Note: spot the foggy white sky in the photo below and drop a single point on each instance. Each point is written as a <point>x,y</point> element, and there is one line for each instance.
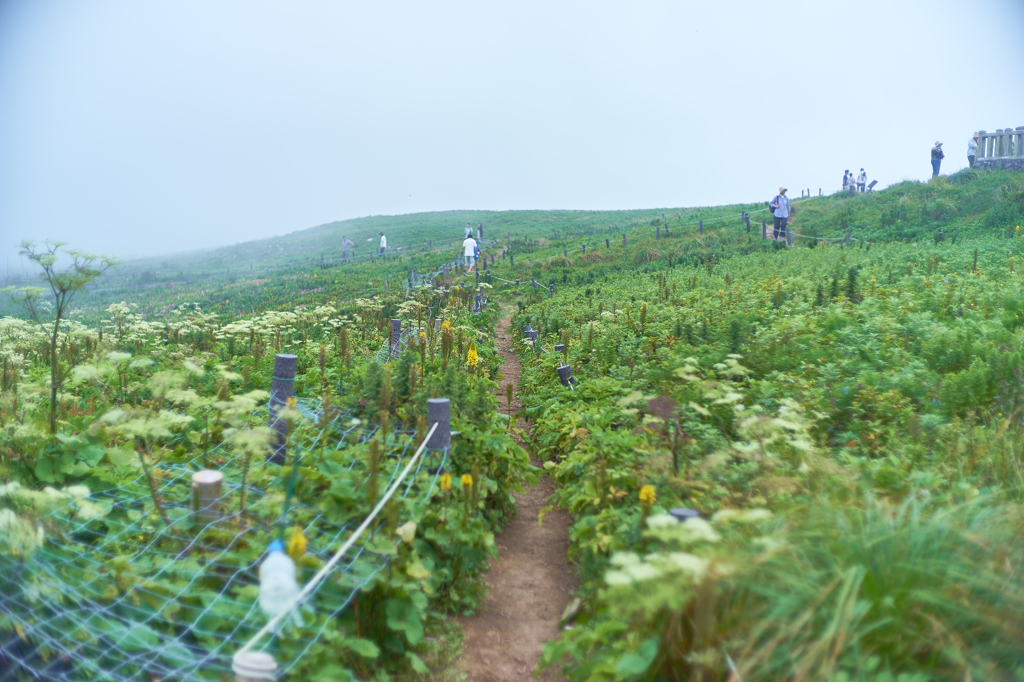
<point>139,128</point>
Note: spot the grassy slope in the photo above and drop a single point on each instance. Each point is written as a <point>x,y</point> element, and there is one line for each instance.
<point>277,272</point>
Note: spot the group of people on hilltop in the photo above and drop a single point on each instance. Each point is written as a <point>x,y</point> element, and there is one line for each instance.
<point>972,153</point>
<point>860,183</point>
<point>347,244</point>
<point>470,246</point>
<point>779,207</point>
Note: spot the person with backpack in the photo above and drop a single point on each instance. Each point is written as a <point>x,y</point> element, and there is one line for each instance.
<point>937,157</point>
<point>862,181</point>
<point>780,208</point>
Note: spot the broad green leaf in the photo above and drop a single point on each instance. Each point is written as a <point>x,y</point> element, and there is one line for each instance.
<point>91,454</point>
<point>363,647</point>
<point>637,663</point>
<point>417,663</point>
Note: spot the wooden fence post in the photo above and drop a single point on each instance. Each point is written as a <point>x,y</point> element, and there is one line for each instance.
<point>439,412</point>
<point>206,487</point>
<point>281,388</point>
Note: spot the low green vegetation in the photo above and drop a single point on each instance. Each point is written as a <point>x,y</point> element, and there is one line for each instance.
<point>99,546</point>
<point>845,419</point>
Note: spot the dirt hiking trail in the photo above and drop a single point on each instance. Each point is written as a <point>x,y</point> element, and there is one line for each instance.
<point>530,583</point>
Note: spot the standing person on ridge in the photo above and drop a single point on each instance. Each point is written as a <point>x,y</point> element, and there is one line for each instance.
<point>937,157</point>
<point>469,232</point>
<point>469,252</point>
<point>972,150</point>
<point>480,232</point>
<point>780,207</point>
<point>383,246</point>
<point>846,180</point>
<point>862,180</point>
<point>346,246</point>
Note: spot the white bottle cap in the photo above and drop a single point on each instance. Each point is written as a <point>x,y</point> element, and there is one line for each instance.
<point>254,665</point>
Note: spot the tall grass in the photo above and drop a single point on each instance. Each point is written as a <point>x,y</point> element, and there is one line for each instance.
<point>904,590</point>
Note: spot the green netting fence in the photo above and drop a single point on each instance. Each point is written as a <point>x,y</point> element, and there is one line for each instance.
<point>125,592</point>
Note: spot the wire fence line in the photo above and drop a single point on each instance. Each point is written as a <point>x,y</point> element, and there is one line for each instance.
<point>123,597</point>
<point>314,582</point>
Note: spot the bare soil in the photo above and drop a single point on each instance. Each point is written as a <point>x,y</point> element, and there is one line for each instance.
<point>531,581</point>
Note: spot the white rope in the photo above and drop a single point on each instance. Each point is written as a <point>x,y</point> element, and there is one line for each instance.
<point>315,580</point>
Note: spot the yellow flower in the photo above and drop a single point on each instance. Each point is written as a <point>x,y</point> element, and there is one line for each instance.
<point>292,402</point>
<point>647,495</point>
<point>446,326</point>
<point>1018,228</point>
<point>446,482</point>
<point>297,545</point>
<point>423,337</point>
<point>467,481</point>
<point>472,359</point>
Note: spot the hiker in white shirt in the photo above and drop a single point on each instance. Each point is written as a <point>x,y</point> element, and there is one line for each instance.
<point>383,246</point>
<point>972,149</point>
<point>469,231</point>
<point>468,251</point>
<point>862,180</point>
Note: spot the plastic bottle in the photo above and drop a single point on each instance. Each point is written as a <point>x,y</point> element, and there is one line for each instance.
<point>278,588</point>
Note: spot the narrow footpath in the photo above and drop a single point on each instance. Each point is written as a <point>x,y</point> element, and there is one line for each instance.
<point>530,583</point>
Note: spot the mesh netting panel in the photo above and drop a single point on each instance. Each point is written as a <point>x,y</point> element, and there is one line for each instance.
<point>127,596</point>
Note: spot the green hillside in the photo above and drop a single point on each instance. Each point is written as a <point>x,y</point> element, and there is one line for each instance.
<point>841,422</point>
<point>303,266</point>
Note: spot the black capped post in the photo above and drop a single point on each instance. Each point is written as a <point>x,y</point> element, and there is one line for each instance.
<point>281,389</point>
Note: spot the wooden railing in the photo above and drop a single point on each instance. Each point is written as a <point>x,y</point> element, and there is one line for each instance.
<point>1005,143</point>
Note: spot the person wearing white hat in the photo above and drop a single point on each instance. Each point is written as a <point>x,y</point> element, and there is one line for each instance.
<point>937,157</point>
<point>780,208</point>
<point>972,149</point>
<point>862,180</point>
